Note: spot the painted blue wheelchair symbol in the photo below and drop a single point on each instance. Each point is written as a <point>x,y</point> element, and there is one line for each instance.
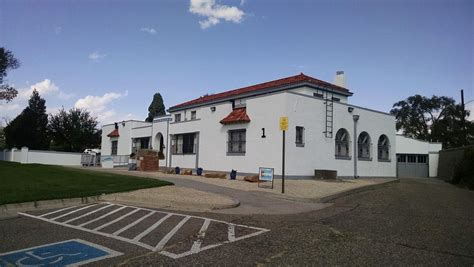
<point>66,253</point>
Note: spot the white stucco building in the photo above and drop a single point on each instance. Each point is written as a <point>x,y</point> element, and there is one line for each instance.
<point>416,158</point>
<point>239,129</point>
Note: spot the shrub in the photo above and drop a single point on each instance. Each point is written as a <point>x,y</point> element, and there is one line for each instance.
<point>464,172</point>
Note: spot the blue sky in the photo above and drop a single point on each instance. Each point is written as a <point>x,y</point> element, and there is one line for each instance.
<point>112,56</point>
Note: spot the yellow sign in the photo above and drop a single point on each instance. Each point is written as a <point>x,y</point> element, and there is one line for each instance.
<point>283,123</point>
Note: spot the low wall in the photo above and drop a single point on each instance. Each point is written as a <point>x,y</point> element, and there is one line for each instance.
<point>27,156</point>
<point>448,160</point>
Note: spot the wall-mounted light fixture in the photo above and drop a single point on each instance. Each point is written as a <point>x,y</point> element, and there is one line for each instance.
<point>123,123</point>
<point>263,133</point>
<point>350,109</point>
<point>213,109</point>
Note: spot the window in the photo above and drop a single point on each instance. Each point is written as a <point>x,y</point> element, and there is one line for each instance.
<point>411,158</point>
<point>422,159</point>
<point>363,146</point>
<point>177,117</point>
<point>342,144</point>
<point>193,115</point>
<point>140,143</point>
<point>336,99</point>
<point>402,158</point>
<point>114,148</point>
<point>318,94</point>
<point>239,103</point>
<point>236,141</point>
<point>183,143</point>
<point>383,148</point>
<point>299,136</point>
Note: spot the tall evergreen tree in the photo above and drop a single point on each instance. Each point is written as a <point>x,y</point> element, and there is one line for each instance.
<point>156,108</point>
<point>30,127</point>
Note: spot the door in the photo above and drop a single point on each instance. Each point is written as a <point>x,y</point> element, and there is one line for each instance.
<point>412,165</point>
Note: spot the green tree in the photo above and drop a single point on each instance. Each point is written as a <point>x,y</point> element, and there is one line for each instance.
<point>437,119</point>
<point>156,108</point>
<point>7,62</point>
<point>30,127</point>
<point>74,130</point>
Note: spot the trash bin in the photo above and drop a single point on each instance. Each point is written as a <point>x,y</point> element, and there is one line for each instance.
<point>177,170</point>
<point>233,174</point>
<point>199,171</point>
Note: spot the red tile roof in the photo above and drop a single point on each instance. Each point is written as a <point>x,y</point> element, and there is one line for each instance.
<point>301,78</point>
<point>114,133</point>
<point>238,115</point>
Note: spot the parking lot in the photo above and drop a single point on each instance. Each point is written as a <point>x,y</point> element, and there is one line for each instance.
<point>170,234</point>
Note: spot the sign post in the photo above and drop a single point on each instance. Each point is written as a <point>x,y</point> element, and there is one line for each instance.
<point>283,128</point>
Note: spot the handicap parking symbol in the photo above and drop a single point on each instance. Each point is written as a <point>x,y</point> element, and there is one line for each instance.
<point>66,253</point>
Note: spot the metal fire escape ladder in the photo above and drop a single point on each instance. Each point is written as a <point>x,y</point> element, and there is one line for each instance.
<point>329,101</point>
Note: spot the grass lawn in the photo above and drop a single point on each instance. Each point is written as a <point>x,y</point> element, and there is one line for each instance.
<point>30,182</point>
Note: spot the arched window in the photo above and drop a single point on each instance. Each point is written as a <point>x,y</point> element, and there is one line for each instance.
<point>363,146</point>
<point>342,143</point>
<point>383,148</point>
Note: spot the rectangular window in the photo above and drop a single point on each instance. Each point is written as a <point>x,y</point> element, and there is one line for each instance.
<point>183,143</point>
<point>114,148</point>
<point>177,117</point>
<point>299,136</point>
<point>422,159</point>
<point>402,158</point>
<point>411,158</point>
<point>239,103</point>
<point>193,115</point>
<point>336,99</point>
<point>319,95</point>
<point>140,143</point>
<point>236,141</point>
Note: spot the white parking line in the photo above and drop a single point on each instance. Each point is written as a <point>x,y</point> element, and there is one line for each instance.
<point>102,217</point>
<point>169,235</point>
<point>56,211</point>
<point>87,214</point>
<point>116,220</point>
<point>74,211</point>
<point>161,245</point>
<point>133,224</point>
<point>151,228</point>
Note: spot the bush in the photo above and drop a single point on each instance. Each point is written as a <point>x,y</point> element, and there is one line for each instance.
<point>464,172</point>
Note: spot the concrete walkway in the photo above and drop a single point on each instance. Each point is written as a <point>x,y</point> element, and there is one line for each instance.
<point>251,202</point>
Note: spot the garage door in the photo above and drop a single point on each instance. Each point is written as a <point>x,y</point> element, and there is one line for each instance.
<point>412,165</point>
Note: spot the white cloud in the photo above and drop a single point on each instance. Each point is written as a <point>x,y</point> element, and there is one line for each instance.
<point>214,13</point>
<point>148,30</point>
<point>96,56</point>
<point>96,104</point>
<point>45,87</point>
<point>470,107</point>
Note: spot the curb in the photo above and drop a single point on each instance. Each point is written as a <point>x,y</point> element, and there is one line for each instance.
<point>356,190</point>
<point>169,204</point>
<point>10,210</point>
<point>328,198</point>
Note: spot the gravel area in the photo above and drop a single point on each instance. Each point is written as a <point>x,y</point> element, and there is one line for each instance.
<point>309,189</point>
<point>173,197</point>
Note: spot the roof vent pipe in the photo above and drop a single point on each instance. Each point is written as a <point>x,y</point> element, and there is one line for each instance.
<point>340,79</point>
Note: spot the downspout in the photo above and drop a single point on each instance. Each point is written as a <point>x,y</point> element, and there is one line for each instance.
<point>168,160</point>
<point>355,118</point>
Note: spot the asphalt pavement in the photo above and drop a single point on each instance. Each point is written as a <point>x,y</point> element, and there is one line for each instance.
<point>414,222</point>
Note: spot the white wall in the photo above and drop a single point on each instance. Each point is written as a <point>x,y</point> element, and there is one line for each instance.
<point>125,129</point>
<point>27,156</point>
<point>302,110</point>
<point>406,145</point>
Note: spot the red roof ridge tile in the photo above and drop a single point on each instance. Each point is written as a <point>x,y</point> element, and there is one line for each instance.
<point>270,84</point>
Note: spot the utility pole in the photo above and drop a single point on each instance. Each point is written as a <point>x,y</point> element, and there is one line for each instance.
<point>463,120</point>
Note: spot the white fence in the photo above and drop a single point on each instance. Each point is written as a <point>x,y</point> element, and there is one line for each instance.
<point>26,156</point>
